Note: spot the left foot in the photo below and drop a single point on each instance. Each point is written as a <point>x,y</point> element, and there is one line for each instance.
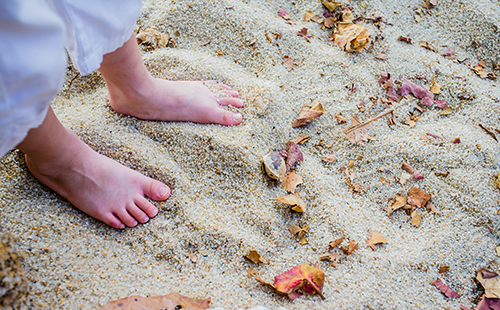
<point>133,91</point>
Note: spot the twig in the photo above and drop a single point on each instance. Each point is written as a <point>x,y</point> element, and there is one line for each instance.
<point>373,119</point>
<point>68,90</point>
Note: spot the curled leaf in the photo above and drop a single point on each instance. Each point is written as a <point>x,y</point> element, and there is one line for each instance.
<point>294,155</point>
<point>445,289</point>
<point>306,115</point>
<point>490,283</point>
<point>152,38</point>
<point>418,197</point>
<point>333,258</point>
<point>418,91</point>
<point>329,158</point>
<point>302,278</point>
<point>255,257</point>
<point>396,203</point>
<point>351,37</point>
<point>376,238</point>
<point>415,219</point>
<point>292,180</point>
<point>301,139</point>
<point>335,243</point>
<point>357,132</point>
<point>295,201</point>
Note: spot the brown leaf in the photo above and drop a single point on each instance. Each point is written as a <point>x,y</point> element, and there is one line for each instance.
<point>255,257</point>
<point>294,155</point>
<point>351,37</point>
<point>306,115</point>
<point>404,39</point>
<point>331,5</point>
<point>295,201</point>
<point>415,219</point>
<point>334,243</point>
<point>292,180</point>
<point>329,22</point>
<point>417,197</point>
<point>308,15</point>
<point>340,119</point>
<point>357,132</point>
<point>406,167</point>
<point>491,285</point>
<point>302,278</point>
<point>275,165</point>
<point>436,88</point>
<point>329,158</point>
<point>443,269</point>
<point>301,139</point>
<point>376,238</point>
<point>294,229</point>
<point>303,240</point>
<point>426,45</point>
<point>333,258</point>
<point>431,208</point>
<point>289,63</point>
<point>396,203</point>
<point>169,301</point>
<point>303,33</point>
<point>444,288</point>
<point>353,246</point>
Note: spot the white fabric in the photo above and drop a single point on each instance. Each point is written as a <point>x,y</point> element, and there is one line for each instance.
<point>33,34</point>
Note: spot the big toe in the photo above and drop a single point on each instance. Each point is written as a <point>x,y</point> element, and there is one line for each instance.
<point>157,191</point>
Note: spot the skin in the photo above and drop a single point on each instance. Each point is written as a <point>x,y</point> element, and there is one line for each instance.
<point>99,186</point>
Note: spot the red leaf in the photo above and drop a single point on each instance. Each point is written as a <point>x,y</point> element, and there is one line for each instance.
<point>445,288</point>
<point>300,278</point>
<point>282,13</point>
<point>488,304</point>
<point>294,155</point>
<point>417,91</point>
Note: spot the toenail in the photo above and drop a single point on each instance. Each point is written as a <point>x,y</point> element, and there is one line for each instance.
<point>155,212</point>
<point>163,191</point>
<point>134,223</point>
<point>237,117</point>
<point>145,219</point>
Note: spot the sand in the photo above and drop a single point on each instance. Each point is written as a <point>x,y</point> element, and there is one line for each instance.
<point>223,205</point>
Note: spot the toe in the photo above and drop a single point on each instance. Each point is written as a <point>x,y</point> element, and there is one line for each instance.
<point>138,214</point>
<point>113,221</point>
<point>235,102</point>
<point>156,190</point>
<point>223,93</point>
<point>148,208</point>
<point>223,86</point>
<point>227,118</point>
<point>126,218</point>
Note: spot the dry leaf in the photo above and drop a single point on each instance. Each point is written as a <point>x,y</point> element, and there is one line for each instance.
<point>376,238</point>
<point>357,132</point>
<point>301,139</point>
<point>294,229</point>
<point>444,288</point>
<point>351,37</point>
<point>292,180</point>
<point>418,197</point>
<point>426,45</point>
<point>308,15</point>
<point>306,115</point>
<point>436,88</point>
<point>415,219</point>
<point>381,56</point>
<point>303,241</point>
<point>329,158</point>
<point>404,39</point>
<point>417,175</point>
<point>274,165</point>
<point>331,5</point>
<point>488,303</point>
<point>289,63</point>
<point>294,155</point>
<point>406,167</point>
<point>329,22</point>
<point>396,203</point>
<point>443,269</point>
<point>283,14</point>
<point>340,119</point>
<point>353,246</point>
<point>333,258</point>
<point>418,91</point>
<point>295,201</point>
<point>404,177</point>
<point>192,257</point>
<point>303,33</point>
<point>171,301</point>
<point>446,111</point>
<point>490,283</point>
<point>425,137</point>
<point>334,243</point>
<point>255,257</point>
<point>431,208</point>
<point>152,38</point>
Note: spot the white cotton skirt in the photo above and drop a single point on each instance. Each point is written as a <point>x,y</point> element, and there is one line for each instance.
<point>33,35</point>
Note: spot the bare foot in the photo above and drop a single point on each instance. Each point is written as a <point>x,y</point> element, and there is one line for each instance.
<point>177,101</point>
<point>133,91</point>
<point>93,183</point>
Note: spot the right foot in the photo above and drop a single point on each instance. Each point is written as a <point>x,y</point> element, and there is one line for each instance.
<point>99,186</point>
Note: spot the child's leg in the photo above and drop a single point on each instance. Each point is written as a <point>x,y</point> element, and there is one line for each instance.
<point>133,91</point>
<point>93,183</point>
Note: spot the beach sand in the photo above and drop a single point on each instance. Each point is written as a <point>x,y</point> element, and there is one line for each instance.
<point>223,205</point>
